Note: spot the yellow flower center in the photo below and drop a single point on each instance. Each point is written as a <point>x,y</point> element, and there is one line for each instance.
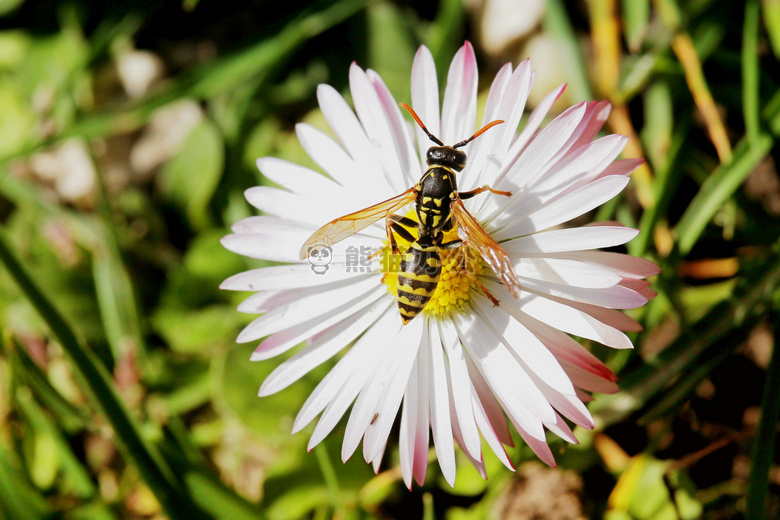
<point>460,268</point>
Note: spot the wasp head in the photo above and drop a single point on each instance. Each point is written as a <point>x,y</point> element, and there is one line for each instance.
<point>446,156</point>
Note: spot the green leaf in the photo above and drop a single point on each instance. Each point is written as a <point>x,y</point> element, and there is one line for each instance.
<point>189,179</point>
<point>636,17</point>
<point>445,34</point>
<point>557,22</point>
<point>202,330</point>
<point>390,47</point>
<point>16,123</point>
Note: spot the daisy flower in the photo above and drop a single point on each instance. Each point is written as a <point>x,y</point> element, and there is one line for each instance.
<point>464,368</point>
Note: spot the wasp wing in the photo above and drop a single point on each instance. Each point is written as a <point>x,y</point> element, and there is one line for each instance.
<point>342,227</point>
<point>477,238</point>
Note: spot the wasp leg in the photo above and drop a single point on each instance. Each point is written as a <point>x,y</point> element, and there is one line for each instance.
<point>449,224</point>
<point>468,194</point>
<point>495,301</point>
<point>399,224</point>
<point>453,244</point>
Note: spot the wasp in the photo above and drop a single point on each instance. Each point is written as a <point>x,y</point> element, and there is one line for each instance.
<point>439,206</point>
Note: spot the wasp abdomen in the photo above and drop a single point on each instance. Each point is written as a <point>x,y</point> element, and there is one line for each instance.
<point>417,279</point>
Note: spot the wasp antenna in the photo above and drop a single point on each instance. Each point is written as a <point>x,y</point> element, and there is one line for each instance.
<point>419,122</point>
<point>479,132</point>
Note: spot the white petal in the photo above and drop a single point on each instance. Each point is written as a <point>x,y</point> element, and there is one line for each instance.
<point>441,425</point>
<point>408,343</point>
<point>615,297</point>
<point>543,148</point>
<point>568,319</point>
<point>494,414</point>
<point>323,348</point>
<point>562,430</point>
<point>289,276</point>
<point>567,351</point>
<point>572,239</point>
<point>367,406</point>
<point>268,238</point>
<point>506,378</point>
<point>588,380</point>
<point>625,265</point>
<point>568,272</point>
<point>349,375</point>
<point>378,460</point>
<point>402,141</point>
<point>579,167</point>
<point>528,350</point>
<point>487,429</point>
<point>425,98</point>
<point>535,441</point>
<point>377,127</point>
<point>489,155</point>
<point>533,123</point>
<point>570,206</point>
<point>622,167</point>
<point>330,156</point>
<point>422,397</point>
<point>598,113</point>
<point>299,179</point>
<point>459,112</point>
<point>266,300</point>
<point>460,383</point>
<point>283,341</point>
<point>407,429</point>
<point>569,406</point>
<point>312,305</point>
<point>347,127</point>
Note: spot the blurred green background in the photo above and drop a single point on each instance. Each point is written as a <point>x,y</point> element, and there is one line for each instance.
<point>128,132</point>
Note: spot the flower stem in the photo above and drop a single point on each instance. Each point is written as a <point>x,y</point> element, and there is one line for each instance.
<point>331,481</point>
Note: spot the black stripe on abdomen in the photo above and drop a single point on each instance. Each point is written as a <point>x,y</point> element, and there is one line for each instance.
<point>417,279</point>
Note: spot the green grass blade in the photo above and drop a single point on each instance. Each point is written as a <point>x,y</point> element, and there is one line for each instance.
<point>68,415</point>
<point>219,501</point>
<point>724,327</point>
<point>96,383</point>
<point>771,17</point>
<point>18,498</point>
<point>116,296</point>
<point>765,443</point>
<point>636,17</point>
<point>556,21</point>
<point>256,63</point>
<point>445,33</point>
<point>750,71</point>
<point>719,186</point>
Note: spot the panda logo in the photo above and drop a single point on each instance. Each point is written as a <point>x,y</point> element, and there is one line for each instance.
<point>319,257</point>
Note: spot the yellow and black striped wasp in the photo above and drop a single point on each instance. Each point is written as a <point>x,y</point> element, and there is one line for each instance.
<point>439,207</point>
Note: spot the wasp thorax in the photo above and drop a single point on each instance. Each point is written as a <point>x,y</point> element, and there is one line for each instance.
<point>446,156</point>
